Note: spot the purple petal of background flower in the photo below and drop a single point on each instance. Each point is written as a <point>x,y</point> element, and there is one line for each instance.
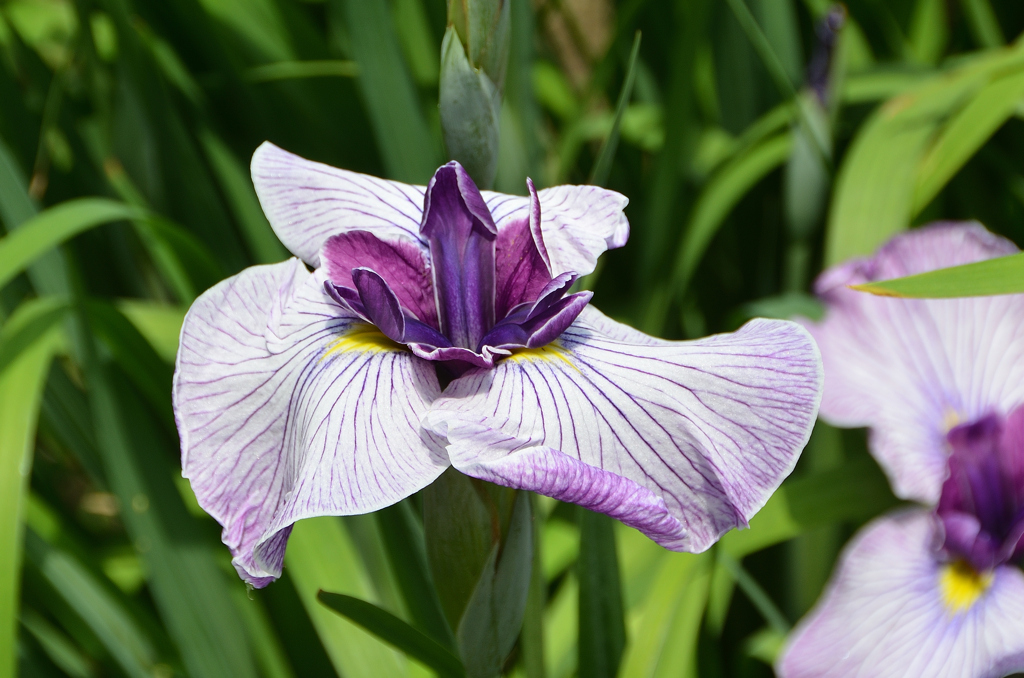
<point>912,368</point>
<point>710,427</point>
<point>980,506</point>
<point>883,614</point>
<point>288,408</point>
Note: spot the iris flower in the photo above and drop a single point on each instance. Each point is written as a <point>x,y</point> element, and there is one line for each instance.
<point>931,591</point>
<point>438,328</point>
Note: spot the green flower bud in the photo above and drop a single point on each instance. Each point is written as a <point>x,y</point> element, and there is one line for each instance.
<point>474,57</point>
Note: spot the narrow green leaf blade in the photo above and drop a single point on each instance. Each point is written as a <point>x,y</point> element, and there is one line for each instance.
<point>603,164</point>
<point>676,588</point>
<point>968,131</point>
<point>52,227</point>
<point>404,542</point>
<point>1003,275</point>
<point>238,189</point>
<point>291,70</point>
<point>159,323</point>
<point>409,151</point>
<point>321,556</point>
<point>718,198</point>
<point>119,633</point>
<point>21,391</point>
<point>394,631</point>
<point>602,634</point>
<point>30,324</point>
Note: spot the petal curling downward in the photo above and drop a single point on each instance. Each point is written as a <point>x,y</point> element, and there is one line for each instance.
<point>709,428</point>
<point>288,408</point>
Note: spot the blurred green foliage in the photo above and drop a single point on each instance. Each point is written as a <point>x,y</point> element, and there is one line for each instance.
<point>125,129</point>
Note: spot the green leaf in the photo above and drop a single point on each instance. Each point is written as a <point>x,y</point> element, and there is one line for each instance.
<point>1002,275</point>
<point>603,164</point>
<point>52,227</point>
<point>665,636</point>
<point>726,188</point>
<point>490,625</point>
<point>292,70</point>
<point>396,632</point>
<point>911,146</point>
<point>403,540</point>
<point>237,186</point>
<point>187,585</point>
<point>757,595</point>
<point>470,107</point>
<point>602,630</point>
<point>16,207</point>
<point>459,539</point>
<point>409,151</point>
<point>159,323</point>
<point>21,390</point>
<point>270,655</point>
<point>258,22</point>
<point>31,322</point>
<point>965,133</point>
<point>321,556</point>
<point>983,23</point>
<point>58,647</point>
<point>119,633</point>
<point>131,351</point>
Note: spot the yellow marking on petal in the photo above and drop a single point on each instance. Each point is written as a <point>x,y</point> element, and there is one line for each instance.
<point>950,418</point>
<point>362,338</point>
<point>552,352</point>
<point>961,585</point>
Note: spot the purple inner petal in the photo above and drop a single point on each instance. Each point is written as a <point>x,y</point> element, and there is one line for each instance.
<point>405,267</point>
<point>461,234</point>
<point>520,269</point>
<point>380,302</point>
<point>980,506</point>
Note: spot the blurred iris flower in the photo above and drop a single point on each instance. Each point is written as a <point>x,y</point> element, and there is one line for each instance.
<point>940,383</point>
<point>438,329</point>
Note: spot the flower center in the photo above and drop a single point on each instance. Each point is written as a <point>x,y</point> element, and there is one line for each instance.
<point>961,585</point>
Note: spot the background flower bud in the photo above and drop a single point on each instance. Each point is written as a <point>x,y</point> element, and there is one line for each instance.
<point>474,57</point>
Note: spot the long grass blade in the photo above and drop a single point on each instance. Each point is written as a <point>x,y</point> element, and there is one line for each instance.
<point>395,632</point>
<point>21,391</point>
<point>603,164</point>
<point>52,227</point>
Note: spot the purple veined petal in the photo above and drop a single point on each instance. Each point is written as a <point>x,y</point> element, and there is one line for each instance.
<point>535,329</point>
<point>556,474</point>
<point>461,236</point>
<point>380,302</point>
<point>913,368</point>
<point>307,202</point>
<point>578,223</point>
<point>520,271</point>
<point>404,266</point>
<point>536,227</point>
<point>887,613</point>
<point>315,413</point>
<point>709,427</point>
